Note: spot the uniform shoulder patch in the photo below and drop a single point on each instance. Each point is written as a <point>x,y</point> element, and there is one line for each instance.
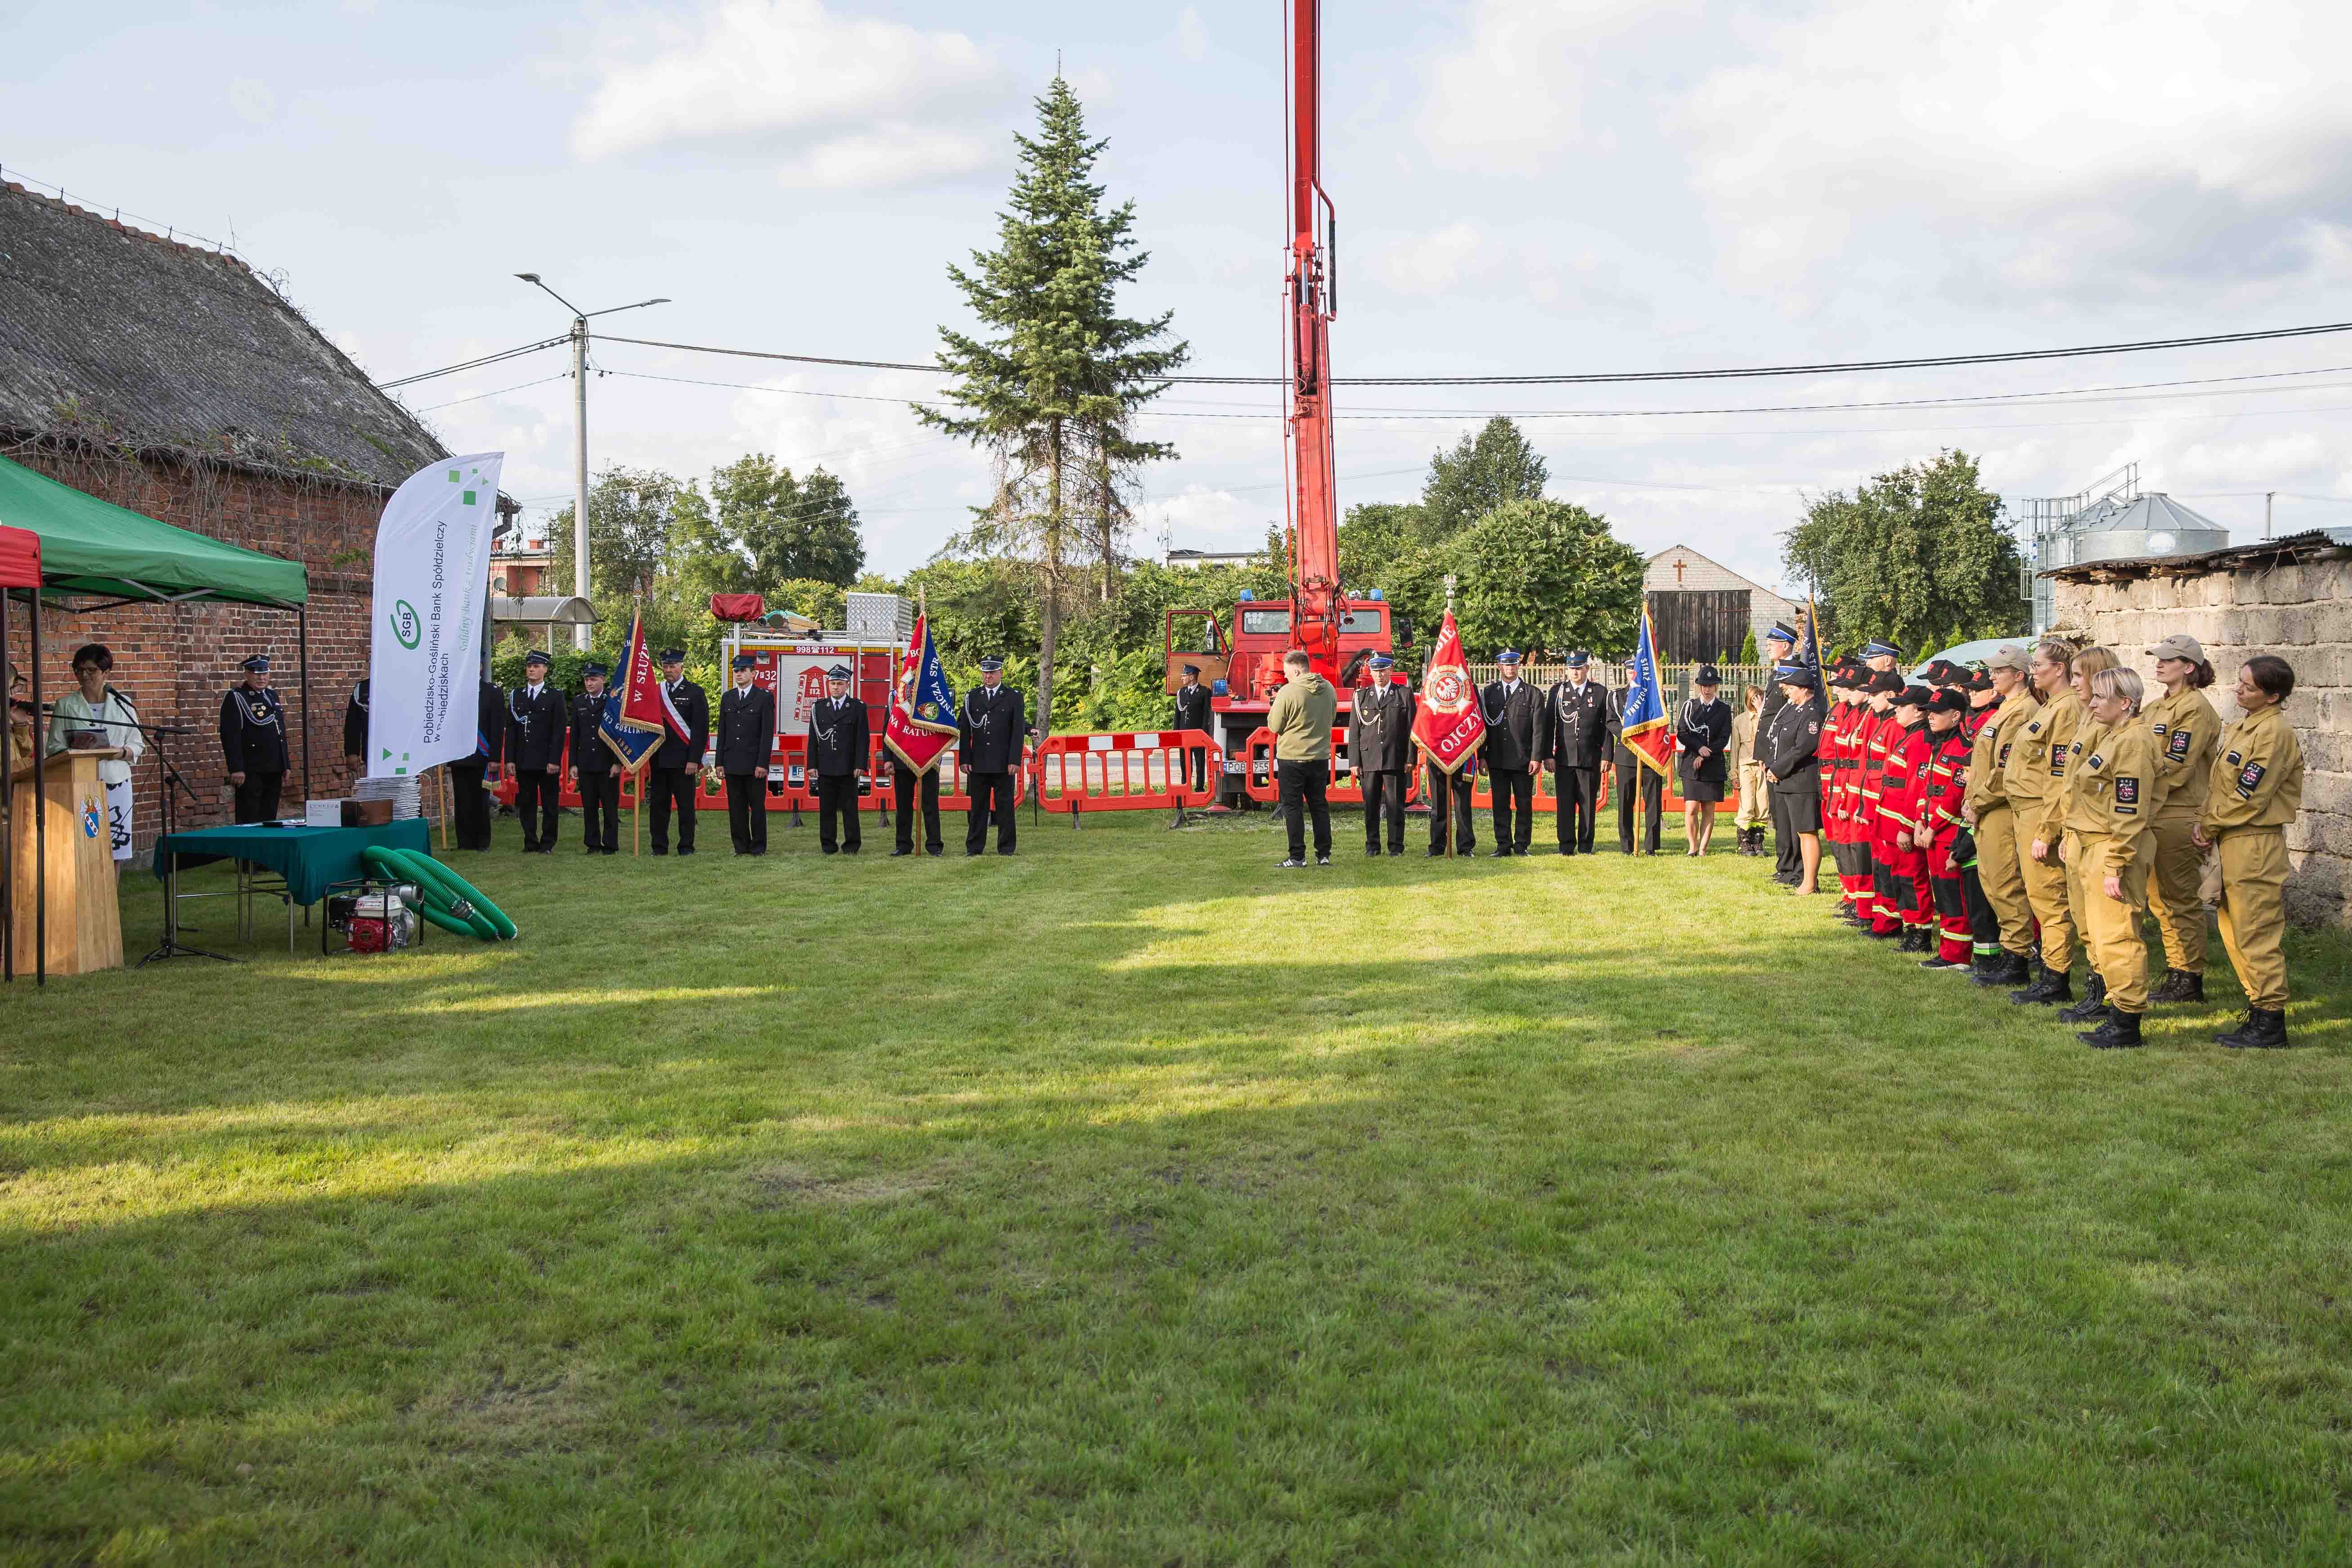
<point>1816,729</point>
<point>2178,747</point>
<point>2234,758</point>
<point>2095,760</point>
<point>2127,792</point>
<point>2034,728</point>
<point>2248,777</point>
<point>2159,730</point>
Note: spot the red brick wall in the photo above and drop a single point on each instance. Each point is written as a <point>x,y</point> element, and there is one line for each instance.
<point>176,661</point>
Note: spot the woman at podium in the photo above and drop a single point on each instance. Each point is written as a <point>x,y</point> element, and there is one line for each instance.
<point>95,707</point>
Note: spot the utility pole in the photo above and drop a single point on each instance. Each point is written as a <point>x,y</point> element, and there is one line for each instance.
<point>580,436</point>
<point>2268,497</point>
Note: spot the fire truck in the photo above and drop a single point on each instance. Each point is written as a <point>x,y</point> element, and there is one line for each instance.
<point>1243,665</point>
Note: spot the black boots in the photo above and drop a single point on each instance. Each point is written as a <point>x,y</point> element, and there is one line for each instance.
<point>1751,841</point>
<point>2050,986</point>
<point>1915,940</point>
<point>2094,1002</point>
<point>2003,968</point>
<point>2264,1030</point>
<point>2179,985</point>
<point>2120,1032</point>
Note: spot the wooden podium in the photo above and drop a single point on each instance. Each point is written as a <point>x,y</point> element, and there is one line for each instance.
<point>85,922</point>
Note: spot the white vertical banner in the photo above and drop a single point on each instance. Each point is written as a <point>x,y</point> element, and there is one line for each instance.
<point>431,614</point>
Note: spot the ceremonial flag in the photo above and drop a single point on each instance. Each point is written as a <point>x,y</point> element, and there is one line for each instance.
<point>1447,725</point>
<point>432,587</point>
<point>922,725</point>
<point>1643,729</point>
<point>645,705</point>
<point>632,746</point>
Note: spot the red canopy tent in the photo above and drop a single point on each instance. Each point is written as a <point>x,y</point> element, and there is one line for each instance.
<point>20,567</point>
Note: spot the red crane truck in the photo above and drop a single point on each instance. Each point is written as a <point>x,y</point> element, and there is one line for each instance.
<point>1243,667</point>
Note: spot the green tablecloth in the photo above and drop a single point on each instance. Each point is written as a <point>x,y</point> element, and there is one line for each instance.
<point>308,857</point>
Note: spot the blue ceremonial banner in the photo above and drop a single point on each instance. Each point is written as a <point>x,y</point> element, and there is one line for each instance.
<point>632,742</point>
<point>922,722</point>
<point>1645,730</point>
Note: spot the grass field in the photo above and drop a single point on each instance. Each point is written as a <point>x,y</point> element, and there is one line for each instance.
<point>1133,1202</point>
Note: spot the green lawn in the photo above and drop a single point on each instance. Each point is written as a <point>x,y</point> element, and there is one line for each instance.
<point>1134,1202</point>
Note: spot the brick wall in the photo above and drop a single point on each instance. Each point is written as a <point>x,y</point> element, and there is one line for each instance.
<point>176,661</point>
<point>2300,612</point>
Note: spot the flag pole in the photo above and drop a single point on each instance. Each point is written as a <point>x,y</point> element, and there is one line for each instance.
<point>1456,784</point>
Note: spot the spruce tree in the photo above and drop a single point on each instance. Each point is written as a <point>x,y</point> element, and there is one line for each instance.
<point>1051,386</point>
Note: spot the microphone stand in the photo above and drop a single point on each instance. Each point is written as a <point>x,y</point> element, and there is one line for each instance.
<point>168,779</point>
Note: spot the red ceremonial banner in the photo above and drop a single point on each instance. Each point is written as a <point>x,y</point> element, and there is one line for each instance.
<point>922,723</point>
<point>642,703</point>
<point>1447,725</point>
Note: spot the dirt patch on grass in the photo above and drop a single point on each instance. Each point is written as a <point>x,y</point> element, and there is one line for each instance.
<point>779,1187</point>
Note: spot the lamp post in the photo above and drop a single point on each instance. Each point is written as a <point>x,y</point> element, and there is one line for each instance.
<point>580,434</point>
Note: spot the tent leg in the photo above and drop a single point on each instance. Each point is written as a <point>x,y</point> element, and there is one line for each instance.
<point>40,810</point>
<point>8,816</point>
<point>302,634</point>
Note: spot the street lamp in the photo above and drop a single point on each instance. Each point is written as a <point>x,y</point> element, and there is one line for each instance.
<point>580,434</point>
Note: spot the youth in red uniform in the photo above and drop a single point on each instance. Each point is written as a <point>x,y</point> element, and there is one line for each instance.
<point>1948,781</point>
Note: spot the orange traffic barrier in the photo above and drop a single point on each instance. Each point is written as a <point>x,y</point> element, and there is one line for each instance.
<point>1145,770</point>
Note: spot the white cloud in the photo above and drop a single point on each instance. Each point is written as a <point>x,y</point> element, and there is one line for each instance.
<point>845,102</point>
<point>1191,35</point>
<point>1511,99</point>
<point>251,100</point>
<point>1438,260</point>
<point>1548,269</point>
<point>2052,148</point>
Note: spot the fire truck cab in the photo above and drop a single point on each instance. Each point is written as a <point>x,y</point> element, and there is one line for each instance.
<point>1242,666</point>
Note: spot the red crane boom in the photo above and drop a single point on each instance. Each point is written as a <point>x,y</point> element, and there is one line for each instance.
<point>1317,606</point>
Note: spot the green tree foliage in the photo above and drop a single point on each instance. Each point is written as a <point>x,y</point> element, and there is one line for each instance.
<point>1053,387</point>
<point>1375,537</point>
<point>1542,574</point>
<point>1918,557</point>
<point>781,528</point>
<point>1481,473</point>
<point>1748,652</point>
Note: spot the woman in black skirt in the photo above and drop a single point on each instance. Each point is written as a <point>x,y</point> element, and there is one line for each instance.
<point>1702,739</point>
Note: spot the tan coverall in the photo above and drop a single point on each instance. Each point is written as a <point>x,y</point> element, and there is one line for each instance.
<point>1750,809</point>
<point>2109,804</point>
<point>2186,732</point>
<point>2031,779</point>
<point>1996,823</point>
<point>2255,790</point>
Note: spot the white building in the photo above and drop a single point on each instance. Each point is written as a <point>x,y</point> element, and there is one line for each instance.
<point>1702,609</point>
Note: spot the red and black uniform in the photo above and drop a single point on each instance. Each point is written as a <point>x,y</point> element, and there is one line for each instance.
<point>1903,899</point>
<point>1948,783</point>
<point>1850,848</point>
<point>1870,788</point>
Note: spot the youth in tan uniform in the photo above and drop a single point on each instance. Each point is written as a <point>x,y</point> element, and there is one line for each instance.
<point>2254,791</point>
<point>2035,773</point>
<point>2185,730</point>
<point>2110,801</point>
<point>1987,810</point>
<point>2088,662</point>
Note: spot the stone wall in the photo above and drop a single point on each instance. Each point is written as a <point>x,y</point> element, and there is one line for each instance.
<point>2301,611</point>
<point>176,661</point>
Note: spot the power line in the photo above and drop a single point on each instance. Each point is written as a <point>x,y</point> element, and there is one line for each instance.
<point>476,363</point>
<point>502,391</point>
<point>1836,367</point>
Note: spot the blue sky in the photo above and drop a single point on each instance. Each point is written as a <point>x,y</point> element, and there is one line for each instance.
<point>1523,185</point>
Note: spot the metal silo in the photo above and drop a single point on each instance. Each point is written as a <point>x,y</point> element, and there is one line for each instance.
<point>2113,520</point>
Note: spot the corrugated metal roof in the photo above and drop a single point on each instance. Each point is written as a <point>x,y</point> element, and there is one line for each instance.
<point>2230,558</point>
<point>111,334</point>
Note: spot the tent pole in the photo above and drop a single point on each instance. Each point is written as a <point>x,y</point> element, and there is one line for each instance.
<point>302,634</point>
<point>40,810</point>
<point>7,812</point>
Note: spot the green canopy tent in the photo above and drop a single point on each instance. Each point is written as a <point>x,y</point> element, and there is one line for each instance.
<point>95,556</point>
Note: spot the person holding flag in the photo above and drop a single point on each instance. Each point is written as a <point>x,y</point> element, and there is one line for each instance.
<point>918,733</point>
<point>594,774</point>
<point>678,711</point>
<point>1646,744</point>
<point>1448,730</point>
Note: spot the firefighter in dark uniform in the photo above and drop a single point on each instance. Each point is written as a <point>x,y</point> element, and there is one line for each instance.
<point>1380,748</point>
<point>1192,713</point>
<point>908,791</point>
<point>992,733</point>
<point>839,745</point>
<point>747,735</point>
<point>356,728</point>
<point>537,722</point>
<point>1790,744</point>
<point>1575,727</point>
<point>1513,715</point>
<point>678,763</point>
<point>253,741</point>
<point>1636,782</point>
<point>596,773</point>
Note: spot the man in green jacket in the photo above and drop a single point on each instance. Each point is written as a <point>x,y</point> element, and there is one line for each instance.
<point>1301,716</point>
